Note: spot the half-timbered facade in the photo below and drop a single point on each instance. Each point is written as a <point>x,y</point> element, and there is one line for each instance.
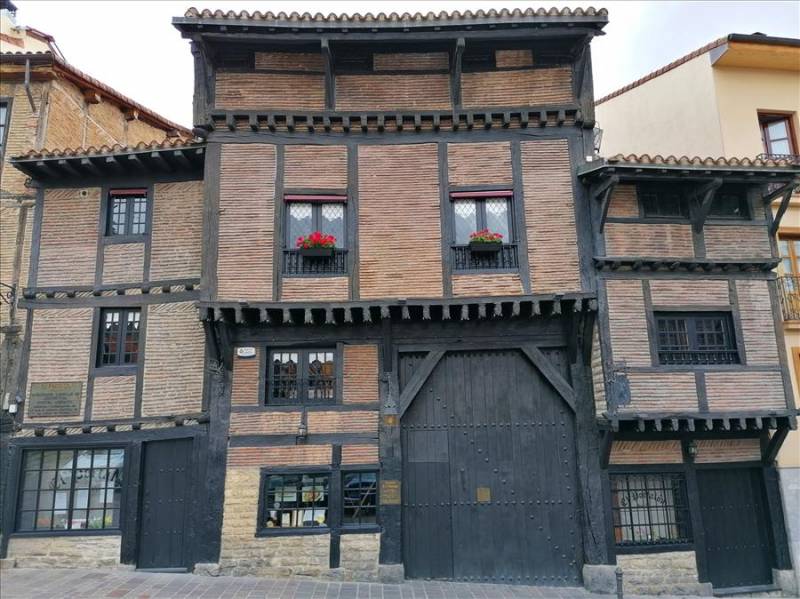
<point>441,338</point>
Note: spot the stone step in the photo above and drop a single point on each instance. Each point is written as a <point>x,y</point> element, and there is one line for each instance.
<point>659,576</point>
<point>672,588</point>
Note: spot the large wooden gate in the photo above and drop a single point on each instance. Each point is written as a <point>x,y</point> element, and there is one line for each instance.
<point>736,527</point>
<point>162,536</point>
<point>489,474</point>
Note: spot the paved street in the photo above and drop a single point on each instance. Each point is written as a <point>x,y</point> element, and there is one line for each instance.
<point>21,583</point>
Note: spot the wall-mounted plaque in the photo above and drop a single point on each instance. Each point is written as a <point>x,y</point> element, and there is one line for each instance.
<point>390,492</point>
<point>245,352</point>
<point>483,494</point>
<point>53,400</point>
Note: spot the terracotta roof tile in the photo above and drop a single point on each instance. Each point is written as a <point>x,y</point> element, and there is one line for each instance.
<point>387,19</point>
<point>108,150</point>
<point>58,63</point>
<point>658,159</point>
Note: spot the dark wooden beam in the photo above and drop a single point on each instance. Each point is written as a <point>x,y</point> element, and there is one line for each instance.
<point>552,375</point>
<point>135,162</point>
<point>420,376</point>
<point>46,169</point>
<point>67,167</point>
<point>776,193</point>
<point>784,205</point>
<point>330,76</point>
<point>606,441</point>
<point>455,72</point>
<point>113,164</point>
<point>160,162</point>
<point>89,165</point>
<point>602,191</point>
<point>705,193</point>
<point>180,159</point>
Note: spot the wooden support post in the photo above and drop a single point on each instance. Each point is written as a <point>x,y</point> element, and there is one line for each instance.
<point>602,191</point>
<point>455,72</point>
<point>706,195</point>
<point>330,78</point>
<point>774,445</point>
<point>784,205</point>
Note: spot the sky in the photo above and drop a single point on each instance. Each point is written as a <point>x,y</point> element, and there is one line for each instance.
<point>132,46</point>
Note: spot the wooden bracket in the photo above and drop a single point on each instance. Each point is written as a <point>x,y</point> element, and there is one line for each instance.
<point>92,96</point>
<point>770,196</point>
<point>706,194</point>
<point>552,375</point>
<point>602,191</point>
<point>774,445</point>
<point>787,190</point>
<point>420,376</point>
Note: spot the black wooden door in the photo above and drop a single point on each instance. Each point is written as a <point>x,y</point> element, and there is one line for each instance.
<point>162,532</point>
<point>736,527</point>
<point>489,474</point>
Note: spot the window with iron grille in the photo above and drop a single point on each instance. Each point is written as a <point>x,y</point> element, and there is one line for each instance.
<point>295,501</point>
<point>663,203</point>
<point>127,212</point>
<point>118,344</point>
<point>301,376</point>
<point>306,214</point>
<point>473,212</point>
<point>650,509</point>
<point>74,489</point>
<point>729,203</point>
<point>696,338</point>
<point>360,498</point>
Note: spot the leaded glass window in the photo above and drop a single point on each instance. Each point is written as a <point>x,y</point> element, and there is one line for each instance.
<point>302,376</point>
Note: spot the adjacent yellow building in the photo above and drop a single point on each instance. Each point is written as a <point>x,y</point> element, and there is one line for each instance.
<point>738,96</point>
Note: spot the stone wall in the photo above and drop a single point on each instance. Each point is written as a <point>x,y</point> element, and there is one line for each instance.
<point>673,572</point>
<point>66,552</point>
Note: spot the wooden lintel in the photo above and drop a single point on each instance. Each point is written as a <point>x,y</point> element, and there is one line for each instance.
<point>706,195</point>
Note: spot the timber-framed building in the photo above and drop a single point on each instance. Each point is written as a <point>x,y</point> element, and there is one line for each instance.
<point>405,401</point>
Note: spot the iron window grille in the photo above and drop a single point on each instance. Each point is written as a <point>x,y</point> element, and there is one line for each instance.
<point>295,501</point>
<point>359,498</point>
<point>696,338</point>
<point>127,212</point>
<point>119,337</point>
<point>74,489</point>
<point>650,509</point>
<point>663,203</point>
<point>475,211</point>
<point>302,376</point>
<point>306,214</point>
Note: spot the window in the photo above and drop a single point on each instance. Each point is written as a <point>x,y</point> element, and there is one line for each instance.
<point>119,337</point>
<point>729,204</point>
<point>789,248</point>
<point>127,212</point>
<point>650,509</point>
<point>73,489</point>
<point>306,214</point>
<point>360,498</point>
<point>472,212</point>
<point>777,134</point>
<point>789,280</point>
<point>302,376</point>
<point>295,501</point>
<point>4,114</point>
<point>664,203</point>
<point>696,338</point>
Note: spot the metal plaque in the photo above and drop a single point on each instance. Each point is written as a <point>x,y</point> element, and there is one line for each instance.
<point>53,400</point>
<point>245,352</point>
<point>390,492</point>
<point>390,419</point>
<point>483,494</point>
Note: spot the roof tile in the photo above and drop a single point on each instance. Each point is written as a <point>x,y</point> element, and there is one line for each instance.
<point>108,150</point>
<point>658,159</point>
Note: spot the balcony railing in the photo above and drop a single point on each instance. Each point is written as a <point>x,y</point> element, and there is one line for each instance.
<point>698,356</point>
<point>466,259</point>
<point>792,158</point>
<point>295,264</point>
<point>790,296</point>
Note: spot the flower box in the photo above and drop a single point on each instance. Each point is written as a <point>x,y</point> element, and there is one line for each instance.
<point>317,252</point>
<point>483,247</point>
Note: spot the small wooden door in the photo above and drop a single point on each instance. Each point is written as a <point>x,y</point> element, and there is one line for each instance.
<point>165,482</point>
<point>736,527</point>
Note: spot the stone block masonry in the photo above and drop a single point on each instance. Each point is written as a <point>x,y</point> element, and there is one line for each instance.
<point>66,552</point>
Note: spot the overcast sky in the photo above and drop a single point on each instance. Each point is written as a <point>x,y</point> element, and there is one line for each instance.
<point>132,46</point>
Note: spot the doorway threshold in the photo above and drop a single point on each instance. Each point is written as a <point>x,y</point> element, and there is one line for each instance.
<point>165,570</point>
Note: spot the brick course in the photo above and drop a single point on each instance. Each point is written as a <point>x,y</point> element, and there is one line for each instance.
<point>264,423</point>
<point>480,163</point>
<point>284,455</point>
<point>113,397</point>
<point>68,251</point>
<point>624,202</point>
<point>659,392</point>
<point>399,221</point>
<point>733,242</point>
<point>177,236</point>
<point>244,385</point>
<point>61,341</point>
<point>393,92</point>
<point>487,284</point>
<point>550,216</point>
<point>283,91</point>
<point>174,360</point>
<point>310,167</point>
<point>745,391</point>
<point>640,239</point>
<point>315,288</point>
<point>343,422</point>
<point>360,373</point>
<point>628,323</point>
<point>289,61</point>
<point>728,450</point>
<point>758,326</point>
<point>682,292</point>
<point>532,87</point>
<point>359,454</point>
<point>246,222</point>
<point>123,263</point>
<point>513,58</point>
<point>646,452</point>
<point>410,61</point>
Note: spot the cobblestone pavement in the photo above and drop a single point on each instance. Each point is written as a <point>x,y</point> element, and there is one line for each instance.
<point>22,583</point>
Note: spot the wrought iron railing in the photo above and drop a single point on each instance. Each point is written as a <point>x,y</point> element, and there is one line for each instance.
<point>296,264</point>
<point>466,259</point>
<point>792,158</point>
<point>293,390</point>
<point>790,296</point>
<point>698,356</point>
